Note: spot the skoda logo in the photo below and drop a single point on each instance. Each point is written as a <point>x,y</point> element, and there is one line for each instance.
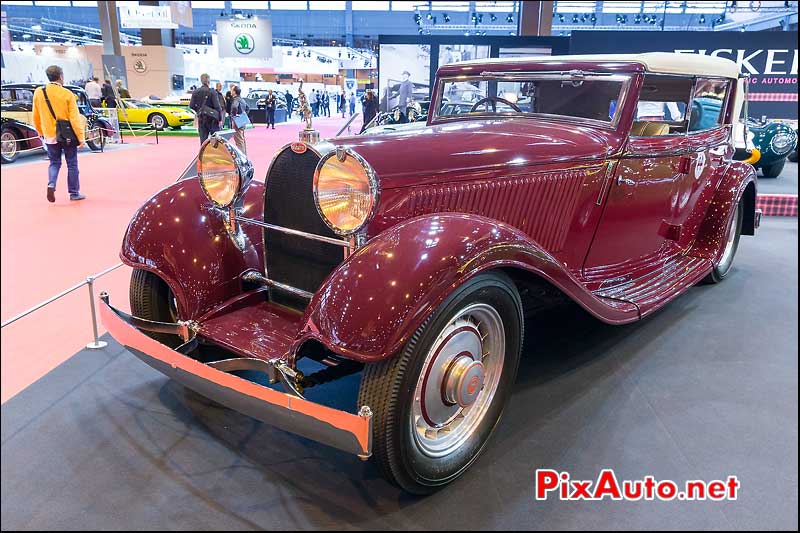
<point>244,43</point>
<point>139,66</point>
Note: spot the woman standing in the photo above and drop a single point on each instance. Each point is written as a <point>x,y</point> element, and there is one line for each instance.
<point>238,107</point>
<point>270,104</point>
<point>370,106</point>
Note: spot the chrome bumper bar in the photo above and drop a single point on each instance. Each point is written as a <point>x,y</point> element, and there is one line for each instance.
<point>346,431</point>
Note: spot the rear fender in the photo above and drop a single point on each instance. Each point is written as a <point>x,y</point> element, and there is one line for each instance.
<point>179,236</point>
<point>739,183</point>
<point>372,303</point>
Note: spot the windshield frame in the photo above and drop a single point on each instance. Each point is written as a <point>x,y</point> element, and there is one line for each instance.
<point>512,76</point>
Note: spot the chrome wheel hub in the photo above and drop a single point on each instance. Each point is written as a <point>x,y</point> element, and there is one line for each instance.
<point>463,382</point>
<point>458,380</point>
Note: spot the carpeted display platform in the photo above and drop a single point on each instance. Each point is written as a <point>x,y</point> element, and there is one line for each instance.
<point>703,389</point>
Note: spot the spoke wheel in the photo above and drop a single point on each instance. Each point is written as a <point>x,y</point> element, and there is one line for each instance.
<point>436,403</point>
<point>458,381</point>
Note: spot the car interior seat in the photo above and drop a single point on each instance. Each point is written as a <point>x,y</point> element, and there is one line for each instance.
<point>648,128</point>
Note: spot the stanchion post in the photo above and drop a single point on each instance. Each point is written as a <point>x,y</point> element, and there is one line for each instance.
<point>96,344</point>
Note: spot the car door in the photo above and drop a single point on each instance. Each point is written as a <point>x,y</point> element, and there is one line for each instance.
<point>638,219</point>
<point>710,150</point>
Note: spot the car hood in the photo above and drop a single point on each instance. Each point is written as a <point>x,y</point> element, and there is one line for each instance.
<point>460,149</point>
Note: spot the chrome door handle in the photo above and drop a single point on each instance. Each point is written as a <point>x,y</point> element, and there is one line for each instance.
<point>625,181</point>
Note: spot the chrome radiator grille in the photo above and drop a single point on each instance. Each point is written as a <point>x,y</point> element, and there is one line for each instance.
<point>289,202</point>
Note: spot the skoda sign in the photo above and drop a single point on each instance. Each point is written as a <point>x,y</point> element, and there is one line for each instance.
<point>244,38</point>
<point>244,43</point>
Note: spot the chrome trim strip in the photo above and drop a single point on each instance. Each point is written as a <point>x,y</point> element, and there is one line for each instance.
<point>298,233</point>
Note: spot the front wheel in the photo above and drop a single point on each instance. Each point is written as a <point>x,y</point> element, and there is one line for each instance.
<point>437,402</point>
<point>723,267</point>
<point>774,170</point>
<point>158,121</point>
<point>152,299</point>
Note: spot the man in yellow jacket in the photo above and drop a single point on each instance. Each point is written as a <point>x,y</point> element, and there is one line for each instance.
<point>65,107</point>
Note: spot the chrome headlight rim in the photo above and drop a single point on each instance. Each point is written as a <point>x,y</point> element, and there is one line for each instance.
<point>342,153</point>
<point>785,144</point>
<point>244,170</point>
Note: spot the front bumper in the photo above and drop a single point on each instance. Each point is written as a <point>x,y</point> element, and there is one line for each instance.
<point>346,431</point>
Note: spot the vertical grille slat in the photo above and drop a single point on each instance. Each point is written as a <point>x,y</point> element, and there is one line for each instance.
<point>289,202</point>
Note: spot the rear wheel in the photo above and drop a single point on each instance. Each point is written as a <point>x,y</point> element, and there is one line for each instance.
<point>774,170</point>
<point>152,299</point>
<point>723,266</point>
<point>437,402</point>
<point>9,145</point>
<point>158,121</point>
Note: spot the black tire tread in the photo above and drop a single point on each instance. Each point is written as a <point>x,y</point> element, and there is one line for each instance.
<point>148,296</point>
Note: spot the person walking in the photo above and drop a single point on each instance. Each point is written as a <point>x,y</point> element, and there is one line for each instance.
<point>94,92</point>
<point>370,107</point>
<point>270,102</point>
<point>205,103</point>
<point>289,103</point>
<point>51,104</point>
<point>352,104</point>
<point>122,91</point>
<point>222,102</point>
<point>108,98</point>
<point>238,107</point>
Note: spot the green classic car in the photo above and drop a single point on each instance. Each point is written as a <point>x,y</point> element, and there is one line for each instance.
<point>776,141</point>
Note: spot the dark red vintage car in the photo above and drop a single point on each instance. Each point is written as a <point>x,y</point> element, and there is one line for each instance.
<point>412,256</point>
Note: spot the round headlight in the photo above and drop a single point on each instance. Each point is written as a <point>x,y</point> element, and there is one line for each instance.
<point>219,172</point>
<point>345,190</point>
<point>782,143</point>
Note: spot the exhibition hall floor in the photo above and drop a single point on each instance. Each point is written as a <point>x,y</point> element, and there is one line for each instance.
<point>703,389</point>
<point>48,248</point>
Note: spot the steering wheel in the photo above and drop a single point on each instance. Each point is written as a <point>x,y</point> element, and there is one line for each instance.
<point>494,100</point>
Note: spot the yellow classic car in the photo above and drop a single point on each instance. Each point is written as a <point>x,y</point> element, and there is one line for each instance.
<point>135,111</point>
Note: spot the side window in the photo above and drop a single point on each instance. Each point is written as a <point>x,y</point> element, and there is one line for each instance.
<point>662,106</point>
<point>708,104</point>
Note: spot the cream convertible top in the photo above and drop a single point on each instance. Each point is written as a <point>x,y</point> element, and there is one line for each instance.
<point>663,62</point>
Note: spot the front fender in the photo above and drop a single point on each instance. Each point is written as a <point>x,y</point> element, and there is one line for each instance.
<point>371,304</point>
<point>179,236</point>
<point>739,183</point>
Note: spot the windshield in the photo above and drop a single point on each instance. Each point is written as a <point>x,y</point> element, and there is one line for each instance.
<point>584,96</point>
<point>137,104</point>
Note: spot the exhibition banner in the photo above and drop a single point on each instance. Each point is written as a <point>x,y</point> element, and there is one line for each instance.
<point>250,38</point>
<point>769,57</point>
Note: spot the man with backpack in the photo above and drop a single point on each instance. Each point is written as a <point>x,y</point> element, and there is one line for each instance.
<point>205,103</point>
<point>58,121</point>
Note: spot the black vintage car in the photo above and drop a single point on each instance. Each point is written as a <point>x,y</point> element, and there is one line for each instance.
<point>17,101</point>
<point>16,137</point>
